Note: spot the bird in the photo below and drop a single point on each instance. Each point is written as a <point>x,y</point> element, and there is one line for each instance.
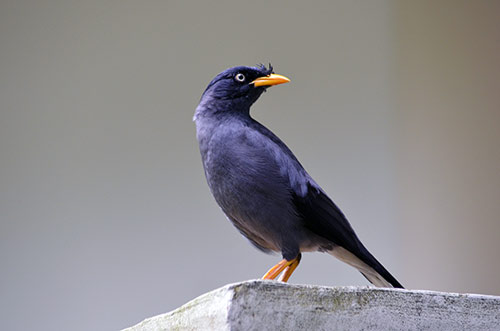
<point>261,186</point>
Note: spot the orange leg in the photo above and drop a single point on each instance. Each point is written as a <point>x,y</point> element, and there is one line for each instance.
<point>290,269</point>
<point>287,266</point>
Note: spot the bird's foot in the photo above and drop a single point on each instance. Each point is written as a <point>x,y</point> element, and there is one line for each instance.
<point>284,265</point>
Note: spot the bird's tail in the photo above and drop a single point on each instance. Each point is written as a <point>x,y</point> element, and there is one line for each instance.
<point>369,267</point>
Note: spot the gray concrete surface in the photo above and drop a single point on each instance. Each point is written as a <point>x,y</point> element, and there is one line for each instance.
<point>270,305</point>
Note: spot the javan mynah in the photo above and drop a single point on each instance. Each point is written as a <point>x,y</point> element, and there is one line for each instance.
<point>262,187</point>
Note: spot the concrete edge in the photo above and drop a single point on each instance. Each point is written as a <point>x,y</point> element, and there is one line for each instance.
<point>219,303</point>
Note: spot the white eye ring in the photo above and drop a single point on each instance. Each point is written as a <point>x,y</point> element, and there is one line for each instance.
<point>240,77</point>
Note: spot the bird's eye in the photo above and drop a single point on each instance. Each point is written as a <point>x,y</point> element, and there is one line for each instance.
<point>240,77</point>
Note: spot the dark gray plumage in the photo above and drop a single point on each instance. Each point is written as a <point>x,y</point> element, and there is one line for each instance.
<point>261,186</point>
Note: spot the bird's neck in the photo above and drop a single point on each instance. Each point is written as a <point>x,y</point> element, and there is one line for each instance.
<point>209,119</point>
<point>212,107</point>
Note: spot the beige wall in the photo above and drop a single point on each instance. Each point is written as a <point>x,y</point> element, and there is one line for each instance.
<point>448,116</point>
<point>105,215</point>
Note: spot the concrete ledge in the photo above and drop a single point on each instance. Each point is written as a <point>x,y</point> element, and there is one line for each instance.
<point>270,305</point>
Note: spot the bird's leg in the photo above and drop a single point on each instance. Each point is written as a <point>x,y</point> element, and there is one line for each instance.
<point>290,269</point>
<point>277,269</point>
<point>288,266</point>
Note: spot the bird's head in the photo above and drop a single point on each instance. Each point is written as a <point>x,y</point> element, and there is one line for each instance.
<point>236,89</point>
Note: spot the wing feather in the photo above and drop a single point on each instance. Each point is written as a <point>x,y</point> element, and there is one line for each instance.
<point>324,218</point>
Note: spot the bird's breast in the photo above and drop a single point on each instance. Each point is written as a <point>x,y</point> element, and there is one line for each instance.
<point>245,179</point>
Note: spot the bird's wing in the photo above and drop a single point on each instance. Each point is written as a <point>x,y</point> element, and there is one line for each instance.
<point>324,218</point>
<point>319,213</point>
<point>321,216</point>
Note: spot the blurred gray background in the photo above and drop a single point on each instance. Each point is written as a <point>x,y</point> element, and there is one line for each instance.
<point>105,216</point>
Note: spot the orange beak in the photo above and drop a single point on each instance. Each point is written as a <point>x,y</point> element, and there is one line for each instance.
<point>272,79</point>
